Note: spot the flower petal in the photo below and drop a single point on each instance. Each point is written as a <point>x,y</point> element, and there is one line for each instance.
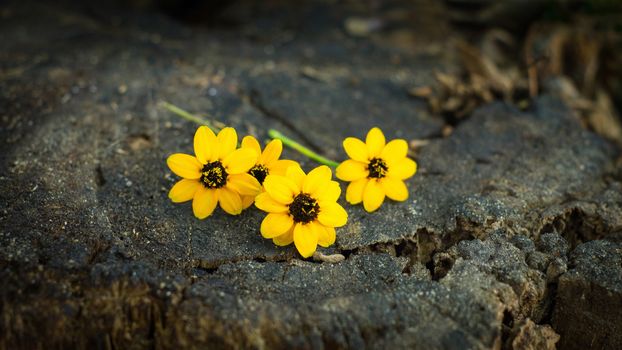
<point>265,202</point>
<point>230,201</point>
<point>274,225</point>
<point>326,235</point>
<point>354,193</point>
<point>252,143</point>
<point>240,161</point>
<point>284,239</point>
<point>352,170</point>
<point>305,239</point>
<point>297,175</point>
<point>247,201</point>
<point>205,144</point>
<point>375,142</point>
<point>329,192</point>
<point>316,179</point>
<point>402,169</point>
<point>394,188</point>
<point>227,141</point>
<point>280,188</point>
<point>394,151</point>
<point>184,165</point>
<point>272,152</point>
<point>244,184</point>
<point>373,196</point>
<point>332,214</point>
<point>356,149</point>
<point>204,202</point>
<point>280,166</point>
<point>183,190</point>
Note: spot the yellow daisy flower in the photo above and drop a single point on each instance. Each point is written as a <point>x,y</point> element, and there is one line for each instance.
<point>301,208</point>
<point>217,174</point>
<point>375,169</point>
<point>267,163</point>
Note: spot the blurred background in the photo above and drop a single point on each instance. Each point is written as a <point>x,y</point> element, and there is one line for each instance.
<point>507,50</point>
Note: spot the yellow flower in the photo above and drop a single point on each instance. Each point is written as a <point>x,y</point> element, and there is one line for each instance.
<point>301,208</point>
<point>217,174</point>
<point>267,163</point>
<point>375,169</point>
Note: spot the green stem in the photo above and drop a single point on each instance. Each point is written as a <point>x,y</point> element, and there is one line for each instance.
<point>273,133</point>
<point>191,117</point>
<point>302,149</point>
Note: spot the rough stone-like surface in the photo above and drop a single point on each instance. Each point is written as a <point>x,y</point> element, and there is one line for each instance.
<point>94,255</point>
<point>529,336</point>
<point>515,272</point>
<point>502,167</point>
<point>587,307</point>
<point>365,300</point>
<point>502,266</point>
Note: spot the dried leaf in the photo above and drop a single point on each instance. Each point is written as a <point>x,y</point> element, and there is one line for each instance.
<point>422,91</point>
<point>358,26</point>
<point>603,118</point>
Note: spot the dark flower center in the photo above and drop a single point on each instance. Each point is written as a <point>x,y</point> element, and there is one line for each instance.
<point>377,168</point>
<point>214,175</point>
<point>259,172</point>
<point>304,209</point>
